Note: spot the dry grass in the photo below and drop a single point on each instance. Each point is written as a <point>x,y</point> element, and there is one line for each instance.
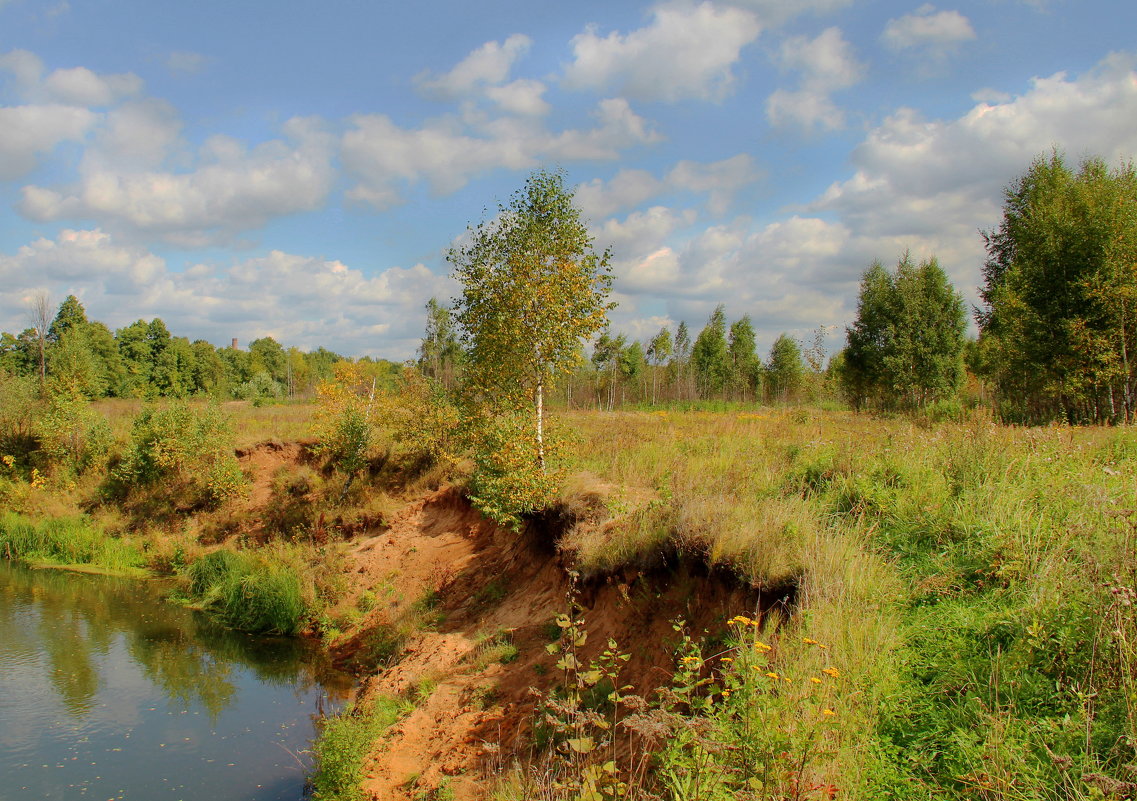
<point>899,536</point>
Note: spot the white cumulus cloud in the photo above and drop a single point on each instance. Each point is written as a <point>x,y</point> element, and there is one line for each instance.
<point>826,65</point>
<point>80,86</point>
<point>447,152</point>
<point>489,65</point>
<point>685,52</point>
<point>27,132</point>
<point>56,109</point>
<point>232,189</point>
<point>931,184</point>
<point>718,180</point>
<point>928,30</point>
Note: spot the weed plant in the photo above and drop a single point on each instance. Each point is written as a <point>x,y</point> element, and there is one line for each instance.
<point>343,744</point>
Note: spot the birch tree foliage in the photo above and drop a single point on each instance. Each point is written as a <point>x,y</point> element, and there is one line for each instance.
<point>906,345</point>
<point>533,289</point>
<point>1059,326</point>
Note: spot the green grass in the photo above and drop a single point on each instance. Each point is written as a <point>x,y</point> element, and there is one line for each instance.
<point>343,744</point>
<point>252,591</point>
<point>70,542</point>
<point>969,581</point>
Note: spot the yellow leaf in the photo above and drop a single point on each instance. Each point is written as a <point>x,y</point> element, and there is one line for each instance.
<point>582,745</point>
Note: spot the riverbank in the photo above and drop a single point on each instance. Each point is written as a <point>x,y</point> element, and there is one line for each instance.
<point>110,693</point>
<point>895,607</point>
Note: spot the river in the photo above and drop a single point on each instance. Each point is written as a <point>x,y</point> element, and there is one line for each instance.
<point>109,692</point>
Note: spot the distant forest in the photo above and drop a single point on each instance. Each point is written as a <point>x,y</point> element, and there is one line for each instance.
<point>70,353</point>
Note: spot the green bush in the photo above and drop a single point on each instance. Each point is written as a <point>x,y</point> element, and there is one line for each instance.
<point>259,389</point>
<point>186,450</point>
<point>507,483</point>
<point>72,436</point>
<point>19,408</point>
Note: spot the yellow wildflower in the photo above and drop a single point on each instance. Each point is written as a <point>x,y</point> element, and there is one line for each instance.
<point>832,672</point>
<point>828,712</point>
<point>772,675</point>
<point>815,680</point>
<point>808,641</point>
<point>761,646</point>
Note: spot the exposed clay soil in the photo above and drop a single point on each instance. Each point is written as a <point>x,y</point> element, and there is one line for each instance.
<point>482,580</point>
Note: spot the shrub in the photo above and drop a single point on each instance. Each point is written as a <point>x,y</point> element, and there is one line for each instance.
<point>72,436</point>
<point>258,389</point>
<point>423,419</point>
<point>19,408</point>
<point>507,482</point>
<point>189,451</point>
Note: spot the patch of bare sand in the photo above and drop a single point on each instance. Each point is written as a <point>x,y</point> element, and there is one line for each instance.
<point>489,581</point>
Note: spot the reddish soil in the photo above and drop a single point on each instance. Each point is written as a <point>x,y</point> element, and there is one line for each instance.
<point>483,580</point>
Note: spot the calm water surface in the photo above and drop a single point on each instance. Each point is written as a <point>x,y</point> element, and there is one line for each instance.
<point>108,692</point>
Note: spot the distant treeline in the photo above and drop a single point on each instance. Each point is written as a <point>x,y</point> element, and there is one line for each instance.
<point>721,363</point>
<point>1057,325</point>
<point>69,353</point>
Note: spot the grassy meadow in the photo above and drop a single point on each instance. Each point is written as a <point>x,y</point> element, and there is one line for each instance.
<point>960,594</point>
<point>969,588</point>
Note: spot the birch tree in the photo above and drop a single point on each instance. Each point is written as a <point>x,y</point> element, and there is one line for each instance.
<point>1059,322</point>
<point>533,289</point>
<point>658,352</point>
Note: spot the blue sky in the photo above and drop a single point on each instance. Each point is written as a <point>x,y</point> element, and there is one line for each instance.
<point>298,169</point>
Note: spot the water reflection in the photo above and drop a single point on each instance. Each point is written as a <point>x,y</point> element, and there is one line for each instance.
<point>105,684</point>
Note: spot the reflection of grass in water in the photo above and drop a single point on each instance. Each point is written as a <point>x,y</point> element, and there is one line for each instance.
<point>186,672</point>
<point>73,675</point>
<point>189,655</point>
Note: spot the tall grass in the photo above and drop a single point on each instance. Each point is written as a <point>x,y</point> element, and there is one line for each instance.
<point>67,542</point>
<point>343,744</point>
<point>969,581</point>
<point>252,591</point>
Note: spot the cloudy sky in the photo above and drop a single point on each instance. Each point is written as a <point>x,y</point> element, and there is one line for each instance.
<point>297,169</point>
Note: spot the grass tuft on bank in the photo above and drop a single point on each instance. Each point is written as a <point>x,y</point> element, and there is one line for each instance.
<point>272,590</point>
<point>344,742</point>
<point>68,542</point>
